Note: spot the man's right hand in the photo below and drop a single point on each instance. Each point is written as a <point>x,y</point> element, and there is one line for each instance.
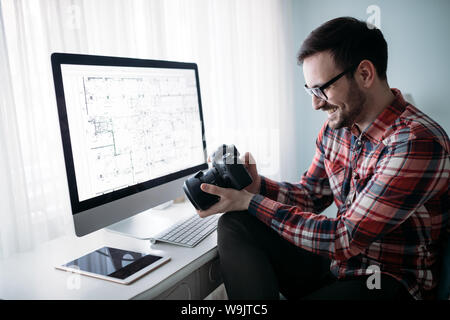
<point>250,165</point>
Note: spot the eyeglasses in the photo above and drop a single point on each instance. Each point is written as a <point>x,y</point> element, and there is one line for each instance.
<point>319,91</point>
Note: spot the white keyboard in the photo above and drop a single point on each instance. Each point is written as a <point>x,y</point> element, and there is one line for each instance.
<point>189,232</point>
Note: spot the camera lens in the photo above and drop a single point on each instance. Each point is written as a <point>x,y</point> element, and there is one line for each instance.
<point>201,200</point>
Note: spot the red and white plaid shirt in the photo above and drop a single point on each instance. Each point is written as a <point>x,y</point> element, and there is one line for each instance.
<point>390,184</point>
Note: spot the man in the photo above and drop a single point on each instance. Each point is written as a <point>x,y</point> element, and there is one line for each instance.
<point>383,162</point>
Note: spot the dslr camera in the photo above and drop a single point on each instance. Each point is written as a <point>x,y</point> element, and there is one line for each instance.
<point>227,171</point>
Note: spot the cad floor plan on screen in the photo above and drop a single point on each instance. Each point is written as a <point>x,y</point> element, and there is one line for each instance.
<point>131,124</point>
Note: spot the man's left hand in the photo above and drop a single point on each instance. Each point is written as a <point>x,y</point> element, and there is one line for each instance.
<point>230,200</point>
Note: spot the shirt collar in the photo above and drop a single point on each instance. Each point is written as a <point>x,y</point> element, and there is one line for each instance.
<point>375,131</point>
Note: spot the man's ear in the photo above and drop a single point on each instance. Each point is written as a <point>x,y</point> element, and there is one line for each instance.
<point>365,73</point>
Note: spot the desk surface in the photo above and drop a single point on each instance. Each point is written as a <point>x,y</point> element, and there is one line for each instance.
<point>32,275</point>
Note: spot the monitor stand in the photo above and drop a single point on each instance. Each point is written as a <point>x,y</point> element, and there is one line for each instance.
<point>149,223</point>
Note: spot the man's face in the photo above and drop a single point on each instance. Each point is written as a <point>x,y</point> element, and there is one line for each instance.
<point>346,101</point>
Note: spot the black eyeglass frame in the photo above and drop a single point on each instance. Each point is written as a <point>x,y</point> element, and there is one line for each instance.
<point>319,91</point>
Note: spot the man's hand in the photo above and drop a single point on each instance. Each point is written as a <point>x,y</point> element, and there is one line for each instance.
<point>230,200</point>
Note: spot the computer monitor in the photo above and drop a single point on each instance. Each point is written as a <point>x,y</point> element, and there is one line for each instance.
<point>132,131</point>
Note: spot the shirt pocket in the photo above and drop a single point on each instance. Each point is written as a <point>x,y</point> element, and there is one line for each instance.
<point>336,177</point>
<point>361,180</point>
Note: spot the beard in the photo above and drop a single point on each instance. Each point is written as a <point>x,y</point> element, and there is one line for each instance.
<point>347,114</point>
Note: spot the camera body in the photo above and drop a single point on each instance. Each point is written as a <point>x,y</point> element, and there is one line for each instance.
<point>227,171</point>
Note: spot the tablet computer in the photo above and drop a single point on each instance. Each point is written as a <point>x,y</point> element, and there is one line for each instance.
<point>117,265</point>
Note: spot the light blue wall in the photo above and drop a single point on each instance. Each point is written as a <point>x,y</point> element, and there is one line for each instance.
<point>417,33</point>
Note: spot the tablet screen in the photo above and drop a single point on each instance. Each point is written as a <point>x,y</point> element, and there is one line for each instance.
<point>112,262</point>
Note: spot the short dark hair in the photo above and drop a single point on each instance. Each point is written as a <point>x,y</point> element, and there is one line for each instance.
<point>350,41</point>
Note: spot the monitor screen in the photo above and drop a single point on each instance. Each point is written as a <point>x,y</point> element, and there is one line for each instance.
<point>127,125</point>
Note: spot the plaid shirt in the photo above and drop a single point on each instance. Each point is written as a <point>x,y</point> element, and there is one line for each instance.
<point>390,184</point>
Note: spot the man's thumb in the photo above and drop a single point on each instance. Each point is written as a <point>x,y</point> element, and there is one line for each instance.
<point>208,188</point>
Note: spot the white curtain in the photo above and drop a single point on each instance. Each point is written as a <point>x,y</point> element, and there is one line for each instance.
<point>242,47</point>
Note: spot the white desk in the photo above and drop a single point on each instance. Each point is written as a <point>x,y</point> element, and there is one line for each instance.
<point>33,275</point>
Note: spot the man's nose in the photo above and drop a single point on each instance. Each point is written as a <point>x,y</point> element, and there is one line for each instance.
<point>317,103</point>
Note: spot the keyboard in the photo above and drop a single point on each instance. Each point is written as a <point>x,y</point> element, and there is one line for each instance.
<point>189,232</point>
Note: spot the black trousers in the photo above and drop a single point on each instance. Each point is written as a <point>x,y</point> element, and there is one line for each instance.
<point>256,263</point>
